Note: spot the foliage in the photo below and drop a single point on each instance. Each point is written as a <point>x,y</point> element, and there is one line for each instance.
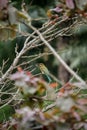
<point>30,96</point>
<point>64,109</point>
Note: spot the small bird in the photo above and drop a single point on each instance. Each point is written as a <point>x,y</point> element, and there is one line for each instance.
<point>44,70</point>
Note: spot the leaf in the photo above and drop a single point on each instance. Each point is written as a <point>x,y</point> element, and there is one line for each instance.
<point>65,103</point>
<point>7,33</point>
<point>76,115</point>
<point>82,101</point>
<point>54,85</point>
<point>81,4</point>
<point>3,4</point>
<point>70,4</point>
<point>12,14</point>
<point>51,95</point>
<point>57,9</point>
<point>6,112</point>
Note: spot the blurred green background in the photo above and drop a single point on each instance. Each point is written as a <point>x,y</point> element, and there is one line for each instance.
<point>73,49</point>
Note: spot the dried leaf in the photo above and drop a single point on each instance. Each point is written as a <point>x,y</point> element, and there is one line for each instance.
<point>7,33</point>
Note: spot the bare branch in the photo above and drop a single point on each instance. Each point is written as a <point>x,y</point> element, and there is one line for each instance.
<point>58,57</point>
<point>48,32</point>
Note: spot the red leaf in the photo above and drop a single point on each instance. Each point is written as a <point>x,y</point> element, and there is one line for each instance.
<point>54,85</point>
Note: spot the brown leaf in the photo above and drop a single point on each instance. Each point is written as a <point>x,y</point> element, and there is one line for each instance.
<point>7,33</point>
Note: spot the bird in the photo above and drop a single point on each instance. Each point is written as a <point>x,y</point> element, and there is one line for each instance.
<point>44,70</point>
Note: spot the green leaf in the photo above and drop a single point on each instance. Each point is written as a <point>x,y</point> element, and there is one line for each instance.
<point>6,112</point>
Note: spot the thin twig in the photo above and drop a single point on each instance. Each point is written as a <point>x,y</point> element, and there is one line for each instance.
<point>58,57</point>
<point>11,99</point>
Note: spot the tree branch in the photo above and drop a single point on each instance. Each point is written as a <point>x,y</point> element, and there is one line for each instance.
<point>58,57</point>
